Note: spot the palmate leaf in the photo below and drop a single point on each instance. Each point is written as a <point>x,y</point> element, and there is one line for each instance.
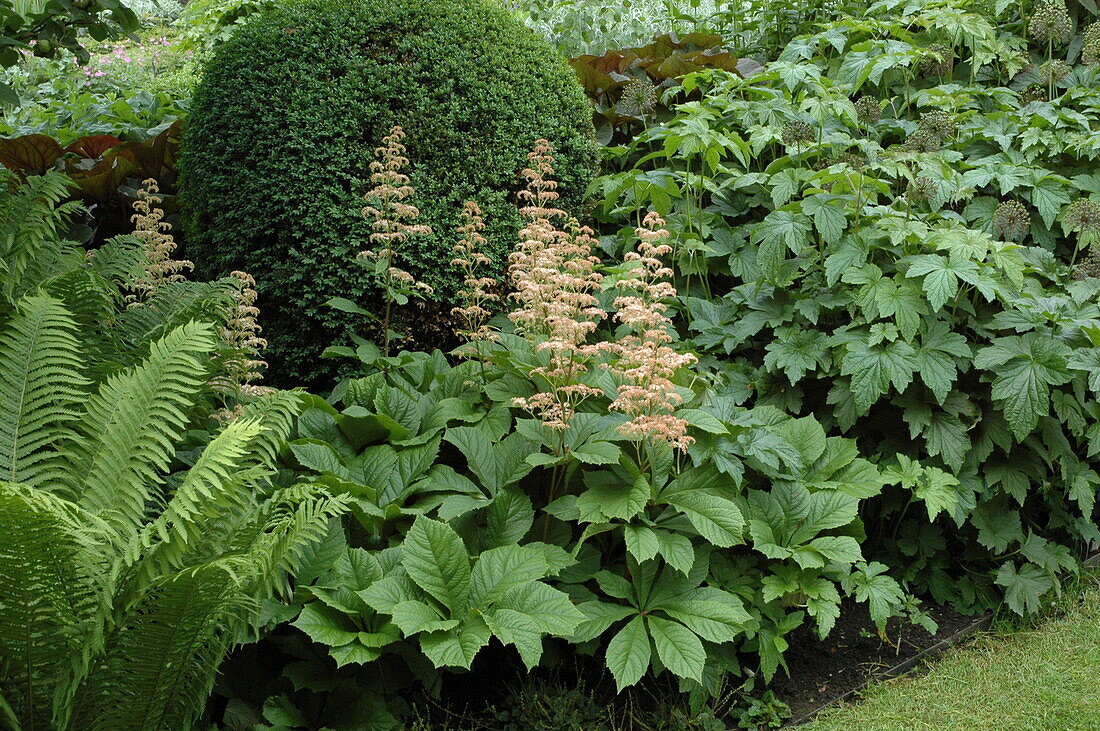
<point>798,352</point>
<point>126,436</point>
<point>52,592</point>
<point>874,367</point>
<point>40,387</point>
<point>1024,588</point>
<point>873,585</point>
<point>1024,368</point>
<point>935,359</point>
<point>780,231</point>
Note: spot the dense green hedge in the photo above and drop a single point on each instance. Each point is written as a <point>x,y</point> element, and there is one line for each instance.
<point>289,111</point>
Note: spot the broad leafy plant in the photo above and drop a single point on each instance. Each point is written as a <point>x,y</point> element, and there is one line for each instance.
<point>905,255</point>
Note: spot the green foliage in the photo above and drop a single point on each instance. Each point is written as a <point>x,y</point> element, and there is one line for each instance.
<point>319,99</point>
<point>626,85</point>
<point>470,523</point>
<point>899,254</point>
<point>44,28</point>
<point>127,568</point>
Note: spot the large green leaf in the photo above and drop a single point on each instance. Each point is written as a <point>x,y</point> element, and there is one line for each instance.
<point>713,614</point>
<point>1024,367</point>
<point>628,653</point>
<point>499,570</point>
<point>435,558</point>
<point>678,647</point>
<point>874,367</point>
<point>456,647</point>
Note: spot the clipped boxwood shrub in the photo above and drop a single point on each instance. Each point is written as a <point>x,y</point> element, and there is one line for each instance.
<point>276,152</point>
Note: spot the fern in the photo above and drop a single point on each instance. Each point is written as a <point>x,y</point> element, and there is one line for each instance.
<point>40,386</point>
<point>214,489</point>
<point>126,436</point>
<point>159,665</point>
<point>50,597</point>
<point>30,224</point>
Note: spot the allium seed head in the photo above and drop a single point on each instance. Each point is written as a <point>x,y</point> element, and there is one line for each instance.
<point>797,133</point>
<point>1050,23</point>
<point>1033,93</point>
<point>868,110</point>
<point>1090,48</point>
<point>639,96</point>
<point>1011,221</point>
<point>922,189</point>
<point>1083,217</point>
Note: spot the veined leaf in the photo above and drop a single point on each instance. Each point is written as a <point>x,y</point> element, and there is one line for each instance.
<point>678,647</point>
<point>456,647</point>
<point>436,560</point>
<point>1024,368</point>
<point>499,570</point>
<point>628,653</point>
<point>713,614</point>
<point>874,367</point>
<point>1024,588</point>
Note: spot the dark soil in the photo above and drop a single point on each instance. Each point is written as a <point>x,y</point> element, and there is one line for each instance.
<point>852,654</point>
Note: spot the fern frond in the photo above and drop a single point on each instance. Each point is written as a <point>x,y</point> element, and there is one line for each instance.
<point>30,223</point>
<point>40,387</point>
<point>161,660</point>
<point>173,304</point>
<point>51,599</point>
<point>211,490</point>
<point>294,518</point>
<point>126,437</point>
<point>277,412</point>
<point>7,715</point>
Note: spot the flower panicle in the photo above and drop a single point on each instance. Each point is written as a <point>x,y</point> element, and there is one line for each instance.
<point>394,220</point>
<point>241,335</point>
<point>155,235</point>
<point>644,361</point>
<point>554,280</point>
<point>477,291</point>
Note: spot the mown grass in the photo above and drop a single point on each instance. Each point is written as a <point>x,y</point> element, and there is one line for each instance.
<point>1034,676</point>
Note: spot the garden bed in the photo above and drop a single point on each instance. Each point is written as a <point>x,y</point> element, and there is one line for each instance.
<point>834,669</point>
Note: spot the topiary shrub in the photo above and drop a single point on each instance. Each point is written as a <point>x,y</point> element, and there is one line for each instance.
<point>275,158</point>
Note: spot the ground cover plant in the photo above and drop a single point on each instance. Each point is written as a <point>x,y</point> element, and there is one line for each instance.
<point>822,337</point>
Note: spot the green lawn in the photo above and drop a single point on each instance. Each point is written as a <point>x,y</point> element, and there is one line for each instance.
<point>1045,675</point>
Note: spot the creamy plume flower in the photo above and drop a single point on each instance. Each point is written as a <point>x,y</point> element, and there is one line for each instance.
<point>159,244</point>
<point>241,337</point>
<point>393,220</point>
<point>643,361</point>
<point>477,291</point>
<point>554,278</point>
